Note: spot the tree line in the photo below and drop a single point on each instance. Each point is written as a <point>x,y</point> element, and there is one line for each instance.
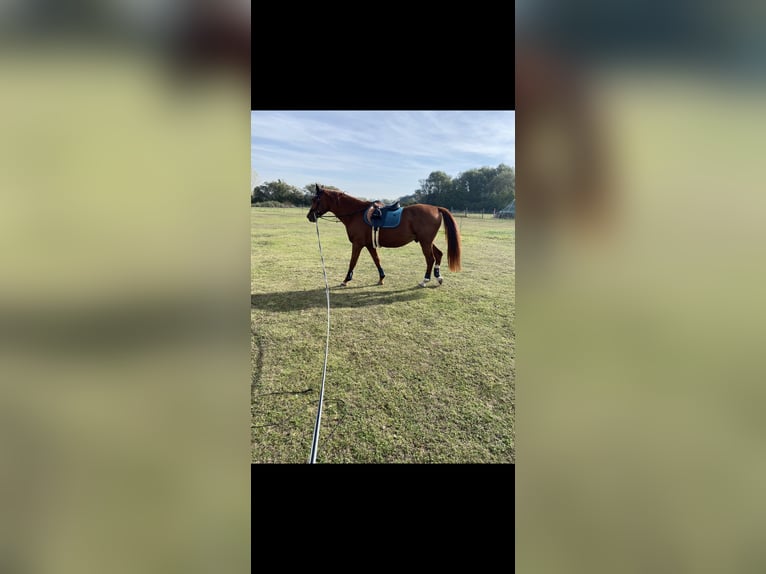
<point>281,194</point>
<point>484,188</point>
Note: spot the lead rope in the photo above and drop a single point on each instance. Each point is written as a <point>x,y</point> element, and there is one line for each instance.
<point>315,440</point>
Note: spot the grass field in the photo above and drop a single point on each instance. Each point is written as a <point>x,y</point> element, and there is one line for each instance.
<point>414,375</point>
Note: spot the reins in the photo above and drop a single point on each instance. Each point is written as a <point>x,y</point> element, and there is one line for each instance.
<point>337,217</point>
<point>315,439</point>
<point>318,422</point>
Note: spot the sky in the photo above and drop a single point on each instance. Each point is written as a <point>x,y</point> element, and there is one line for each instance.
<point>376,154</point>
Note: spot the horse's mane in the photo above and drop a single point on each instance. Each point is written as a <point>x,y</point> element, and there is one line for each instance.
<point>336,193</point>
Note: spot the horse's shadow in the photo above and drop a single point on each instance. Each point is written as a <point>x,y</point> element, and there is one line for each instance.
<point>357,296</point>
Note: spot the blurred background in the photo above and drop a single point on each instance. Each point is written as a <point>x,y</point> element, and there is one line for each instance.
<point>124,330</point>
<point>640,141</point>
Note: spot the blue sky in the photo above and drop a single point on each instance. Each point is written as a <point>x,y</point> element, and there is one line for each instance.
<point>376,154</point>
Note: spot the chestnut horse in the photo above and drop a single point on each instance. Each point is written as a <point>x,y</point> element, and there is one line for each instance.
<point>419,223</point>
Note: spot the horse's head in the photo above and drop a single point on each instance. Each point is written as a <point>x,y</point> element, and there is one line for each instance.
<point>319,205</point>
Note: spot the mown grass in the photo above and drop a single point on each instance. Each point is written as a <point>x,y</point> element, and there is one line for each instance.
<point>414,375</point>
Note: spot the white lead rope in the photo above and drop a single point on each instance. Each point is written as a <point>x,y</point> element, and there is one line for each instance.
<point>315,440</point>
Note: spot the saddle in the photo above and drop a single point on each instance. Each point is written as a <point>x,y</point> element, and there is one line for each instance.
<point>383,216</point>
<point>380,216</point>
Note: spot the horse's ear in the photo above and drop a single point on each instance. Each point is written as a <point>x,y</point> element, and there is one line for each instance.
<point>318,189</point>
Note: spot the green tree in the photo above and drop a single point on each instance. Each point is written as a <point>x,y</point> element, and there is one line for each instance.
<point>484,188</point>
<point>281,192</point>
<point>502,188</point>
<point>473,188</point>
<point>434,189</point>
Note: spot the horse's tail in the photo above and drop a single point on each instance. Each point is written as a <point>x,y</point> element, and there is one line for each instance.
<point>453,239</point>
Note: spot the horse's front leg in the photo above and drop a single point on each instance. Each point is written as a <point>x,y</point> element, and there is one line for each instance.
<point>356,249</point>
<point>376,260</point>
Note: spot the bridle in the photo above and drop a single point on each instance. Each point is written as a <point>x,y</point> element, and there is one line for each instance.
<point>338,216</point>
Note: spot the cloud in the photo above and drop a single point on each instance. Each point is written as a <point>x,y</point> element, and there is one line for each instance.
<point>388,150</point>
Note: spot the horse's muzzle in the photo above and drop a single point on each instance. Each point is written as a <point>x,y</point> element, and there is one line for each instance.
<point>312,216</point>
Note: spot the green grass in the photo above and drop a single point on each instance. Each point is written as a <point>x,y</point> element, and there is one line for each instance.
<point>414,375</point>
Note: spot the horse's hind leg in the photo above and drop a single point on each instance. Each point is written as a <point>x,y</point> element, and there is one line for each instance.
<point>376,260</point>
<point>355,251</point>
<point>438,256</point>
<point>429,254</point>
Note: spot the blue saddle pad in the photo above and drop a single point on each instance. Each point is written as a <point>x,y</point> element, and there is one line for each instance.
<point>389,220</point>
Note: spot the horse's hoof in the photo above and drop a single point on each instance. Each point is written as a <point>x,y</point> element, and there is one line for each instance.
<point>343,284</point>
<point>422,283</point>
<point>440,280</point>
<point>380,282</point>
